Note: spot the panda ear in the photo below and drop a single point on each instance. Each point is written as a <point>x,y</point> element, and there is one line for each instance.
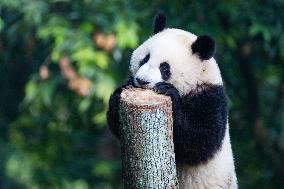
<point>204,46</point>
<point>160,22</point>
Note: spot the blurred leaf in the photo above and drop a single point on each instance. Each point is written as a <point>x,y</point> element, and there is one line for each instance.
<point>104,86</point>
<point>11,4</point>
<point>31,90</point>
<point>260,29</point>
<point>1,24</point>
<point>103,169</point>
<point>56,26</point>
<point>231,42</point>
<point>20,168</point>
<point>84,105</point>
<point>84,55</point>
<point>87,27</point>
<point>281,46</point>
<point>78,184</point>
<point>47,89</point>
<point>101,59</point>
<point>127,36</point>
<point>100,119</point>
<point>255,29</point>
<point>34,11</point>
<point>89,56</point>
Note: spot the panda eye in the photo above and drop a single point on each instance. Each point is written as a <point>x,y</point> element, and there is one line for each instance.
<point>165,70</point>
<point>145,60</point>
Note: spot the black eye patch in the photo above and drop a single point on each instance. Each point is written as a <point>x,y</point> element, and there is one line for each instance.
<point>145,60</point>
<point>165,70</point>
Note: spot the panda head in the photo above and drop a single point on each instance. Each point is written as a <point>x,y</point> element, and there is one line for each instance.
<point>175,56</point>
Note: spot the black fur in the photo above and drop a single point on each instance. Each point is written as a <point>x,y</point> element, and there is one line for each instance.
<point>165,70</point>
<point>145,60</point>
<point>169,90</point>
<point>112,113</point>
<point>142,82</point>
<point>114,101</point>
<point>204,46</point>
<point>201,132</point>
<point>160,22</point>
<point>200,120</point>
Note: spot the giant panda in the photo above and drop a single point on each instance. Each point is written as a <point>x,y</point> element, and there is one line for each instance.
<point>181,65</point>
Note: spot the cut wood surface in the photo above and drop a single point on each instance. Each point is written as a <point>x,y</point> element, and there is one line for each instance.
<point>147,140</point>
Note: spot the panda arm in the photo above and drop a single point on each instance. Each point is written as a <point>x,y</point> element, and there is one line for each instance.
<point>201,129</point>
<point>169,90</point>
<point>112,113</point>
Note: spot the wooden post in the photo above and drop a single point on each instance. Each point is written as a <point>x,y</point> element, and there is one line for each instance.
<point>147,140</point>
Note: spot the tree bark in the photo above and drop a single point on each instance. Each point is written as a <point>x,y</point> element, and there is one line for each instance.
<point>147,140</point>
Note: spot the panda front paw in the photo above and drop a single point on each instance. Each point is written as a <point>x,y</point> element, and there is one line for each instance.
<point>130,83</point>
<point>168,90</point>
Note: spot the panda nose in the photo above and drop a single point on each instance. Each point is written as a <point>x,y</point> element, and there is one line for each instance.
<point>142,82</point>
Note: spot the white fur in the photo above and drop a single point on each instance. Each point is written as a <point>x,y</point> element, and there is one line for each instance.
<point>149,73</point>
<point>187,71</point>
<point>217,173</point>
<point>174,46</point>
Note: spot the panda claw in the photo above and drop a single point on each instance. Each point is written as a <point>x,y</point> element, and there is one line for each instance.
<point>167,89</point>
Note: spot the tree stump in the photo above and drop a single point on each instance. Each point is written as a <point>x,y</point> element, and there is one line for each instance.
<point>147,140</point>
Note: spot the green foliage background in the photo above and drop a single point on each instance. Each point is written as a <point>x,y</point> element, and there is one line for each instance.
<point>52,136</point>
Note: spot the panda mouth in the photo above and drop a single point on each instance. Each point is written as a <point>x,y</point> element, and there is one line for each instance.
<point>146,86</point>
<point>141,83</point>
